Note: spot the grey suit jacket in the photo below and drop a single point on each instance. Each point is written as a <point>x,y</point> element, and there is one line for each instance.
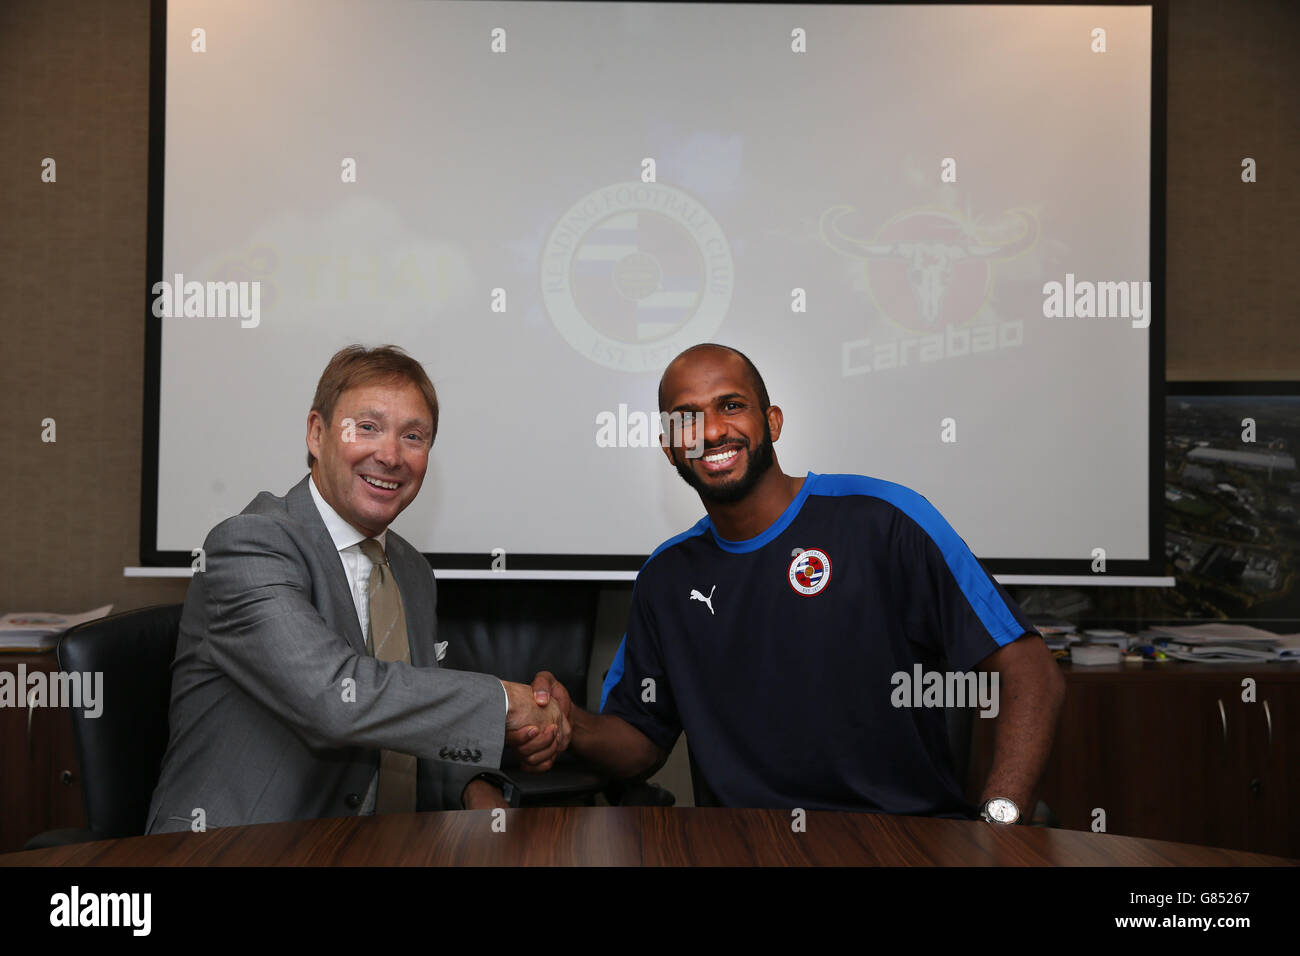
<point>277,711</point>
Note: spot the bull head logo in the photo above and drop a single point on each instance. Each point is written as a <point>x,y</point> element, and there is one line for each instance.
<point>930,268</point>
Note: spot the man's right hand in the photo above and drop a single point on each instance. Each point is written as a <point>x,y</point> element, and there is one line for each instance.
<point>536,726</point>
<point>606,740</point>
<point>538,745</point>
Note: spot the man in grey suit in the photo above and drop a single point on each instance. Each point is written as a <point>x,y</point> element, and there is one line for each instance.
<point>306,680</point>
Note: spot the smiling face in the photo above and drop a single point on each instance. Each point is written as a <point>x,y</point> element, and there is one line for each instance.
<point>738,434</point>
<point>370,469</point>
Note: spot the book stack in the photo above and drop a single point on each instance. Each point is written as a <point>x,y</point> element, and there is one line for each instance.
<point>1225,643</point>
<point>41,630</point>
<point>1058,635</point>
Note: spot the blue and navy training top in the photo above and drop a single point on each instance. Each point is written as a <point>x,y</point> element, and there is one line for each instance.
<point>776,654</point>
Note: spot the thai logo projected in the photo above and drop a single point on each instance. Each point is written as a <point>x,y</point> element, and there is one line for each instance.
<point>634,273</point>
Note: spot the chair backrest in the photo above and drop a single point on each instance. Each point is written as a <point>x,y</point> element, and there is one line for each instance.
<point>120,752</point>
<point>704,796</point>
<point>513,629</point>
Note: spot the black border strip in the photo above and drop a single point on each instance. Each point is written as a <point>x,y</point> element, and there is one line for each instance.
<point>151,556</point>
<point>149,437</point>
<point>1202,389</point>
<point>1156,342</point>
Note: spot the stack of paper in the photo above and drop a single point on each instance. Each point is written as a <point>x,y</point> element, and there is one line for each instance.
<point>40,630</point>
<point>1089,654</point>
<point>1119,639</point>
<point>1227,642</point>
<point>1057,634</point>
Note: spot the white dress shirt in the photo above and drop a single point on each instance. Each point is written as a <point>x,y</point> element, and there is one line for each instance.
<point>356,565</point>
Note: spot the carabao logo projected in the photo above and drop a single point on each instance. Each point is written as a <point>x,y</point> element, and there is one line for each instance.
<point>634,273</point>
<point>931,273</point>
<point>930,268</point>
<point>810,572</point>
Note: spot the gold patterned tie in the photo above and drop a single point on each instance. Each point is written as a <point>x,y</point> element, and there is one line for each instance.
<point>387,641</point>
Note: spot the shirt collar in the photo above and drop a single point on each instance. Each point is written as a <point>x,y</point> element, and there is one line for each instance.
<point>341,533</point>
<point>779,525</point>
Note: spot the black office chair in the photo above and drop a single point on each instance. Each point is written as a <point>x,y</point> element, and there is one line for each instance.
<point>513,630</point>
<point>512,633</point>
<point>704,796</point>
<point>119,752</point>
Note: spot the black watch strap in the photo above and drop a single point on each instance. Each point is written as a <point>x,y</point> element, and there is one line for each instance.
<point>509,791</point>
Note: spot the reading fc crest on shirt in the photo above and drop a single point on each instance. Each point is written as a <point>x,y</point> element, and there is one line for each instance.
<point>810,572</point>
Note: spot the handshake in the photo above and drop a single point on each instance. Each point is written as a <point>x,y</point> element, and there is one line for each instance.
<point>537,727</point>
<point>538,723</point>
<point>541,722</point>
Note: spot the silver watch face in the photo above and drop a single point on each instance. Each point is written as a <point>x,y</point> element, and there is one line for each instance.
<point>1002,810</point>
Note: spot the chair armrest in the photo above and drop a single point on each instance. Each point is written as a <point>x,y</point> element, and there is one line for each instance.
<point>640,794</point>
<point>52,838</point>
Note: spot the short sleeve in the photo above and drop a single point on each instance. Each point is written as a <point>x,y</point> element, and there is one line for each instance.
<point>637,687</point>
<point>949,600</point>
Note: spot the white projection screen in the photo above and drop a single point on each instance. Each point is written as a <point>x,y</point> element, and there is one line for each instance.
<point>545,202</point>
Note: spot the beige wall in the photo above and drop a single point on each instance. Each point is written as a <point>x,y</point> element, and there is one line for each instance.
<point>1234,283</point>
<point>74,86</point>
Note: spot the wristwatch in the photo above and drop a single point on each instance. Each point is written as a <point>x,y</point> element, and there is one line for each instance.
<point>509,791</point>
<point>1000,810</point>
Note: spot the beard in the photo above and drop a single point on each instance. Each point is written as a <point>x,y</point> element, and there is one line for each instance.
<point>728,492</point>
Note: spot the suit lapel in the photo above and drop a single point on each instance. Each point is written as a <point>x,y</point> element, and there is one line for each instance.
<point>303,509</point>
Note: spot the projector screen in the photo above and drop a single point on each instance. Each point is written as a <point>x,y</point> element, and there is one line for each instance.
<point>545,202</point>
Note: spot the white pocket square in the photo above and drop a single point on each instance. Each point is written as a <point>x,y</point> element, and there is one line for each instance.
<point>440,649</point>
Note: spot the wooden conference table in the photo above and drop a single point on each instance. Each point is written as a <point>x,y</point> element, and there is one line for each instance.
<point>636,836</point>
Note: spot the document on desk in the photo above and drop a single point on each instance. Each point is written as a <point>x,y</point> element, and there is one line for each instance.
<point>1212,653</point>
<point>40,630</point>
<point>1208,642</point>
